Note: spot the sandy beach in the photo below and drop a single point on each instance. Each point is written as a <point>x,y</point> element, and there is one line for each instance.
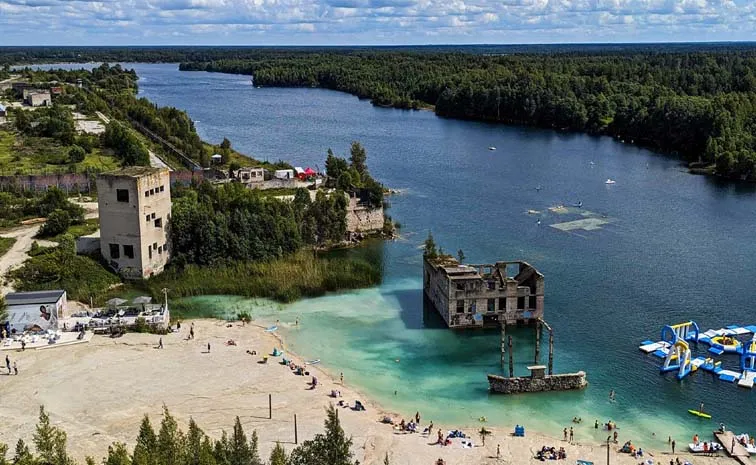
<point>99,392</point>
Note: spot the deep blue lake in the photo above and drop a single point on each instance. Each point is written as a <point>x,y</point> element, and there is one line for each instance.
<point>667,247</point>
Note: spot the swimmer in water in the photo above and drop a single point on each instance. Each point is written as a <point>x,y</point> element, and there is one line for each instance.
<point>611,394</point>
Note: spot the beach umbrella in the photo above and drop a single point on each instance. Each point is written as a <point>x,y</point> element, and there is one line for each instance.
<point>142,300</point>
<point>114,302</point>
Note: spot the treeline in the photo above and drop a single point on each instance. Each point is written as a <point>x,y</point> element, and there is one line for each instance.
<point>19,204</point>
<point>216,224</point>
<point>699,105</point>
<point>353,176</point>
<point>16,55</point>
<point>169,445</point>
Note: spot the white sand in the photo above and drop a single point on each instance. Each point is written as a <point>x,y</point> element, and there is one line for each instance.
<point>99,392</point>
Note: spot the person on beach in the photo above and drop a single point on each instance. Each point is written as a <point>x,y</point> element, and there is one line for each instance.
<point>7,363</point>
<point>572,434</point>
<point>178,325</point>
<point>616,434</point>
<point>440,437</point>
<point>565,434</point>
<point>15,368</point>
<point>417,417</point>
<point>732,446</point>
<point>595,425</point>
<point>23,345</point>
<point>341,378</point>
<point>160,343</point>
<point>498,451</point>
<point>673,446</point>
<point>208,347</point>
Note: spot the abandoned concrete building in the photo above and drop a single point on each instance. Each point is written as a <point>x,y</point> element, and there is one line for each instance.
<point>135,206</point>
<point>468,296</point>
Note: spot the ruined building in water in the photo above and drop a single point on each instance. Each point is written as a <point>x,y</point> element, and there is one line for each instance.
<point>483,295</point>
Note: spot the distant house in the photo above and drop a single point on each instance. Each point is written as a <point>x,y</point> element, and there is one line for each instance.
<point>37,98</point>
<point>56,90</point>
<point>38,310</point>
<point>249,175</point>
<point>217,158</point>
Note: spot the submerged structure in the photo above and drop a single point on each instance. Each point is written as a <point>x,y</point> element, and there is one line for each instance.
<point>468,296</point>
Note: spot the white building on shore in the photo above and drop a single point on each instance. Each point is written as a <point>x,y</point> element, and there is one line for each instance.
<point>38,310</point>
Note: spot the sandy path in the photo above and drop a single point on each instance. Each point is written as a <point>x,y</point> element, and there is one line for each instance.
<point>99,392</point>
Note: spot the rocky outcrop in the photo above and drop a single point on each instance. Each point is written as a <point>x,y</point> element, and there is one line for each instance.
<point>516,385</point>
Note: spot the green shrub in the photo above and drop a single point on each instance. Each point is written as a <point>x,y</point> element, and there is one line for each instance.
<point>76,154</point>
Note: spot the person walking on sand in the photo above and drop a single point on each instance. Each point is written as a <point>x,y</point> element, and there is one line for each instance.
<point>673,446</point>
<point>572,434</point>
<point>565,434</point>
<point>341,378</point>
<point>7,363</point>
<point>15,368</point>
<point>160,343</point>
<point>208,347</point>
<point>417,418</point>
<point>732,446</point>
<point>498,451</point>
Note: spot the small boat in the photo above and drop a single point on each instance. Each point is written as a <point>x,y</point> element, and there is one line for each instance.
<point>313,362</point>
<point>711,447</point>
<point>699,414</point>
<point>610,181</point>
<point>492,148</point>
<point>533,212</point>
<point>270,329</point>
<point>592,163</point>
<point>578,205</point>
<point>538,188</point>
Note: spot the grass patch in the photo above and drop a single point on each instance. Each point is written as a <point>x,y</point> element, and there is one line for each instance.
<point>77,230</point>
<point>284,280</point>
<point>5,244</point>
<point>55,268</point>
<point>20,154</point>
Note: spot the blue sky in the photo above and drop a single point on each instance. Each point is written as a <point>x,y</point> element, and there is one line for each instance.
<point>371,22</point>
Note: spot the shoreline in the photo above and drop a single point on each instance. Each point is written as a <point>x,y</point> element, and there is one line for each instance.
<point>498,433</point>
<point>99,392</point>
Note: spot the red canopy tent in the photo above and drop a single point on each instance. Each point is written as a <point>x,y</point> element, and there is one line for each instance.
<point>307,173</point>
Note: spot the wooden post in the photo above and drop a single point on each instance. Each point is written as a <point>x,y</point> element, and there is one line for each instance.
<point>503,341</point>
<point>296,439</point>
<point>270,407</point>
<point>511,362</point>
<point>551,352</point>
<point>537,341</point>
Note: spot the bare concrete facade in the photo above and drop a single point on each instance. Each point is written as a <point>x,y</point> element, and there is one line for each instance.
<point>468,296</point>
<point>135,206</point>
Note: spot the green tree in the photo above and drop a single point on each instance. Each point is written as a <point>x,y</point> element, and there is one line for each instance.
<point>278,455</point>
<point>170,440</point>
<point>242,451</point>
<point>429,247</point>
<point>22,454</point>
<point>358,157</point>
<point>331,448</point>
<point>50,442</point>
<point>76,154</point>
<point>57,223</point>
<point>117,455</point>
<point>145,450</point>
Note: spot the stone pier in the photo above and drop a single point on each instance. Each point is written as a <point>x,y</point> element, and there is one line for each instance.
<point>538,381</point>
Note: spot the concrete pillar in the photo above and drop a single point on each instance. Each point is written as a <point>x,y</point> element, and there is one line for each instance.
<point>537,341</point>
<point>551,352</point>
<point>503,324</point>
<point>511,362</point>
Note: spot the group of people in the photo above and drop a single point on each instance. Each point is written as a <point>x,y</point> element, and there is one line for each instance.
<point>8,365</point>
<point>551,453</point>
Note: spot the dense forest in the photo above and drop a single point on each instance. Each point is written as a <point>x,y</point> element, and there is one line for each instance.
<point>169,445</point>
<point>698,105</point>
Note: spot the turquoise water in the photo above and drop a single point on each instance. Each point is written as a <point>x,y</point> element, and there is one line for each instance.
<point>676,247</point>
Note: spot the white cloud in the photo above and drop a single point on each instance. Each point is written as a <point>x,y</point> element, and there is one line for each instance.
<point>371,21</point>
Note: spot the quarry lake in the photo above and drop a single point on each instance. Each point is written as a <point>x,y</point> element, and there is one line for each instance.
<point>664,247</point>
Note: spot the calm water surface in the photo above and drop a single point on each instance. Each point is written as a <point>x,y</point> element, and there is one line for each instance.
<point>677,247</point>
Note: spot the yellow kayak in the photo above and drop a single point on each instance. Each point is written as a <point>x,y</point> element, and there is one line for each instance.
<point>699,414</point>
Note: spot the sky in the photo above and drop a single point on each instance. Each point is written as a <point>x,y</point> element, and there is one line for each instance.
<point>371,22</point>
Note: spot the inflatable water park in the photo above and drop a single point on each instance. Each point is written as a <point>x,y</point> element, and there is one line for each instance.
<point>674,349</point>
